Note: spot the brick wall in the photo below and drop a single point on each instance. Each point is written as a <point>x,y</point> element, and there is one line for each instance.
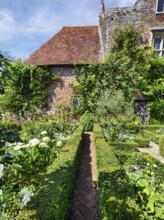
<point>142,14</point>
<point>60,93</point>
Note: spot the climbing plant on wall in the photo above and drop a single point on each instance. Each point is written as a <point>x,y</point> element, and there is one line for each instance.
<point>26,89</point>
<point>128,67</point>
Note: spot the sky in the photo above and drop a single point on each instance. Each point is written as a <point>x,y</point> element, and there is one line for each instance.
<point>26,24</point>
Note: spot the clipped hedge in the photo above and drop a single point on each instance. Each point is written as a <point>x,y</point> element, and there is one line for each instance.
<point>146,127</point>
<point>150,135</point>
<point>161,145</point>
<point>56,188</point>
<point>142,142</point>
<point>130,158</point>
<point>116,194</point>
<point>128,146</point>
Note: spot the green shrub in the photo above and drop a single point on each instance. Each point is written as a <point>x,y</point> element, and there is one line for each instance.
<point>150,135</point>
<point>142,142</point>
<point>150,127</point>
<point>56,188</point>
<point>128,146</point>
<point>161,145</point>
<point>130,158</point>
<point>87,120</point>
<point>116,194</point>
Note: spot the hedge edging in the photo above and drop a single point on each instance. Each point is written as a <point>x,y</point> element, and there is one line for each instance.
<point>116,194</point>
<point>57,186</point>
<point>161,145</point>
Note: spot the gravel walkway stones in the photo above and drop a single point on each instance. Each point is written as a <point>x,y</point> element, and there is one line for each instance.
<point>153,150</point>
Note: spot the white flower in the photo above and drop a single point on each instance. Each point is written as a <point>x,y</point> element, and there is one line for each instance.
<point>43,133</point>
<point>148,164</point>
<point>7,144</point>
<point>46,139</point>
<point>59,144</point>
<point>26,146</point>
<point>26,196</point>
<point>17,147</point>
<point>19,144</point>
<point>43,144</point>
<point>34,142</point>
<point>155,165</point>
<point>1,170</point>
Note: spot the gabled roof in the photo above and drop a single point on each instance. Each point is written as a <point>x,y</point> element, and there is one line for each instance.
<point>71,45</point>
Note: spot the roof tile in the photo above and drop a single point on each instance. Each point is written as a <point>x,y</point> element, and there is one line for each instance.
<point>71,45</point>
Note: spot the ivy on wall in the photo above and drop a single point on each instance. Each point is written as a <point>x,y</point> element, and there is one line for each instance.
<point>26,88</point>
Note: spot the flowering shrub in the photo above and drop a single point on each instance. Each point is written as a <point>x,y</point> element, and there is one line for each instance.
<point>21,165</point>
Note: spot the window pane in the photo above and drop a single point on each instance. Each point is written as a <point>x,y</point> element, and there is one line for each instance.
<point>157,42</point>
<point>156,54</point>
<point>75,101</point>
<point>160,6</point>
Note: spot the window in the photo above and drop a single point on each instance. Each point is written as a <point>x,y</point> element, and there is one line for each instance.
<point>158,45</point>
<point>160,6</point>
<point>75,101</point>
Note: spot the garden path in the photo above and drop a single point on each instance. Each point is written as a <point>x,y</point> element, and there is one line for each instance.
<point>154,151</point>
<point>85,197</point>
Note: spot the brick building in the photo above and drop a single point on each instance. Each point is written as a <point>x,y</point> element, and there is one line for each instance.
<point>69,47</point>
<point>86,44</point>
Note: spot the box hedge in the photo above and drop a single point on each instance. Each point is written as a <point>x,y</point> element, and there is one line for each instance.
<point>116,194</point>
<point>142,142</point>
<point>161,145</point>
<point>128,146</point>
<point>54,196</point>
<point>150,135</point>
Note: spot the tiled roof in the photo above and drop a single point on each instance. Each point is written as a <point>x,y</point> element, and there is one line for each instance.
<point>71,45</point>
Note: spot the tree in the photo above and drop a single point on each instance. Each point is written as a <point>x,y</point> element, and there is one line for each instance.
<point>4,62</point>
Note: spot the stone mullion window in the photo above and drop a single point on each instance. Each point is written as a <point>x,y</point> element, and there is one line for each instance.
<point>160,6</point>
<point>158,46</point>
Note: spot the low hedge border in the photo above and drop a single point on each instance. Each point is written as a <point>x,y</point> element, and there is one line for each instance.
<point>128,146</point>
<point>116,194</point>
<point>161,145</point>
<point>142,142</point>
<point>150,135</point>
<point>56,188</point>
<point>147,127</point>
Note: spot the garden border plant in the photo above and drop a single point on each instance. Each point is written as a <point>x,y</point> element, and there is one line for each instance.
<point>56,188</point>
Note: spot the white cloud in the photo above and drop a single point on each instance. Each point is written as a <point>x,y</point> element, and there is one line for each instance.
<point>7,25</point>
<point>43,21</point>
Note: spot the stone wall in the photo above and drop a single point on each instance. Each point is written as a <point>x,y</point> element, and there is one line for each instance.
<point>142,14</point>
<point>60,93</point>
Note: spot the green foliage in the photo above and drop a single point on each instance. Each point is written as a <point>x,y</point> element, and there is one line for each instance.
<point>150,192</point>
<point>142,142</point>
<point>56,187</point>
<point>127,146</point>
<point>26,89</point>
<point>87,120</point>
<point>116,194</point>
<point>4,77</point>
<point>130,158</point>
<point>151,136</point>
<point>52,124</point>
<point>161,145</point>
<point>24,160</point>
